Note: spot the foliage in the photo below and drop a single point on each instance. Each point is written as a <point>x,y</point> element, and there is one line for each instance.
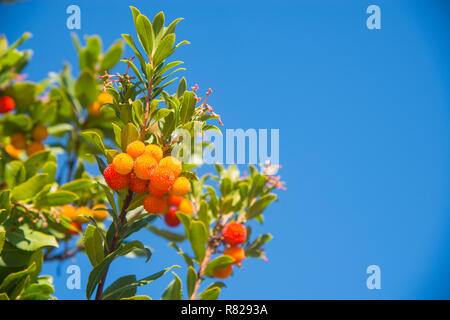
<point>46,193</point>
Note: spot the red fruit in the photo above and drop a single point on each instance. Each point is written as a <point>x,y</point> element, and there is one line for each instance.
<point>77,226</point>
<point>137,185</point>
<point>174,200</point>
<point>115,180</point>
<point>156,190</point>
<point>234,233</point>
<point>6,104</point>
<point>171,218</point>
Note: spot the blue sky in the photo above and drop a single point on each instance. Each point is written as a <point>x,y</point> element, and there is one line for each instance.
<point>364,133</point>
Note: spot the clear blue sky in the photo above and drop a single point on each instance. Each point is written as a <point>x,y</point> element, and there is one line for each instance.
<point>364,133</point>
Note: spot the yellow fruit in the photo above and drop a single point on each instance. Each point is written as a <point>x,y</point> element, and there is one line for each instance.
<point>155,151</point>
<point>83,210</point>
<point>136,148</point>
<point>39,133</point>
<point>19,141</point>
<point>181,186</point>
<point>94,109</point>
<point>173,164</point>
<point>68,211</point>
<point>144,166</point>
<point>123,163</point>
<point>100,214</point>
<point>13,152</point>
<point>33,147</point>
<point>105,98</point>
<point>186,206</point>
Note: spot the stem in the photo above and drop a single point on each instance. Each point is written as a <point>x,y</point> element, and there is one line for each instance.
<point>64,255</point>
<point>114,241</point>
<point>213,244</point>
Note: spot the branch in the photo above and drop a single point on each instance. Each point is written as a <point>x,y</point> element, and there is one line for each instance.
<point>123,214</point>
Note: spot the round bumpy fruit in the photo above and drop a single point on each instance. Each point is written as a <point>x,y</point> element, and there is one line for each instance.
<point>68,211</point>
<point>174,200</point>
<point>186,206</point>
<point>155,151</point>
<point>19,141</point>
<point>115,180</point>
<point>100,212</point>
<point>123,163</point>
<point>136,149</point>
<point>144,166</point>
<point>234,233</point>
<point>224,272</point>
<point>33,147</point>
<point>154,204</point>
<point>13,152</point>
<point>181,186</point>
<point>173,164</point>
<point>6,104</point>
<point>83,211</point>
<point>235,252</point>
<point>77,226</point>
<point>163,178</point>
<point>137,185</point>
<point>105,98</point>
<point>39,133</point>
<point>171,218</point>
<point>156,191</point>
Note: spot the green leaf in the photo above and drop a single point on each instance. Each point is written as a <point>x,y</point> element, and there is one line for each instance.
<point>98,271</point>
<point>93,244</point>
<point>145,33</point>
<point>136,224</point>
<point>185,220</point>
<point>13,280</point>
<point>86,88</point>
<point>77,185</point>
<point>258,207</point>
<point>57,198</point>
<point>35,163</point>
<point>210,294</point>
<point>181,87</point>
<point>27,239</point>
<point>129,134</point>
<point>164,49</point>
<point>14,173</point>
<point>139,283</point>
<point>137,298</point>
<point>2,240</point>
<point>191,280</point>
<point>29,188</point>
<point>119,290</point>
<point>130,42</point>
<point>166,234</point>
<point>112,56</point>
<point>187,107</point>
<point>173,290</point>
<point>158,25</point>
<point>198,237</point>
<point>37,291</point>
<point>254,249</point>
<point>218,263</point>
<point>93,137</point>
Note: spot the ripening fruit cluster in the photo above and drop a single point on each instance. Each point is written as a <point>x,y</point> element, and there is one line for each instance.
<point>95,108</point>
<point>233,234</point>
<point>31,143</point>
<point>6,104</point>
<point>143,169</point>
<point>99,212</point>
